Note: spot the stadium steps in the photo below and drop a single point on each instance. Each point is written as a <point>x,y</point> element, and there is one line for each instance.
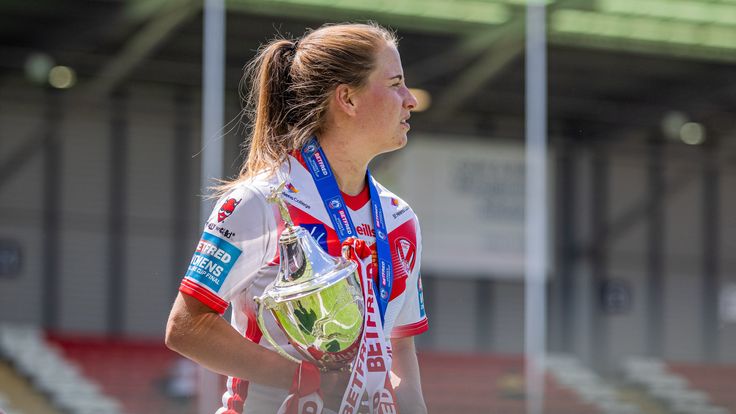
<point>18,396</point>
<point>718,382</point>
<point>639,398</point>
<point>481,384</point>
<point>672,389</point>
<point>45,368</point>
<point>134,372</point>
<point>603,394</point>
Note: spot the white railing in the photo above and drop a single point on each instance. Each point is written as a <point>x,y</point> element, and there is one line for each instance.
<point>671,389</point>
<point>47,369</point>
<point>591,387</point>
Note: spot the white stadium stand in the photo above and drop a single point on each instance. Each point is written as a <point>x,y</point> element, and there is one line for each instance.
<point>64,384</point>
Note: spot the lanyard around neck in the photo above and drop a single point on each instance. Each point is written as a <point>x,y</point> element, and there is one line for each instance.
<point>329,191</point>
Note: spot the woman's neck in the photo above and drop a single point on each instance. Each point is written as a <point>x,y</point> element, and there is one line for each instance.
<point>348,165</point>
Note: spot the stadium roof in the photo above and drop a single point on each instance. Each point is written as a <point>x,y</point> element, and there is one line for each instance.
<point>615,66</point>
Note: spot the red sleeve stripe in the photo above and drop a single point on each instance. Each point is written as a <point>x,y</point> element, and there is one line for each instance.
<point>252,330</point>
<point>203,294</point>
<point>411,329</point>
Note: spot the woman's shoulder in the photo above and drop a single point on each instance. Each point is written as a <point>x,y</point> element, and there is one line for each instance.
<point>242,209</point>
<point>259,185</point>
<point>247,194</point>
<point>397,206</point>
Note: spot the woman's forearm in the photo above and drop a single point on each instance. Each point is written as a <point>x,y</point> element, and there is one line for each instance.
<point>203,336</point>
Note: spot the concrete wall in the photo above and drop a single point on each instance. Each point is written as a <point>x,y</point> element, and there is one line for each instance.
<point>468,314</point>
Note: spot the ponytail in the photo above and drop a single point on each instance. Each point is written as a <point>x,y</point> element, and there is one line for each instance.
<point>269,102</point>
<point>289,84</point>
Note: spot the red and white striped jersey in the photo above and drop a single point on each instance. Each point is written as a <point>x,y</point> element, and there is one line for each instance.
<point>237,257</point>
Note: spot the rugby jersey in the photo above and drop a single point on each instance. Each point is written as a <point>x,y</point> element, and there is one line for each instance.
<point>237,257</point>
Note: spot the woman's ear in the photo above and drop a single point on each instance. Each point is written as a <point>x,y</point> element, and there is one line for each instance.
<point>344,99</point>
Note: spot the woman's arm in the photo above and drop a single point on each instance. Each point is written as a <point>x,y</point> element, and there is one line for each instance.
<point>405,376</point>
<point>200,334</point>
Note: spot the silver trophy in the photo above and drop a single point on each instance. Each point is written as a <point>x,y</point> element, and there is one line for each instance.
<point>316,299</point>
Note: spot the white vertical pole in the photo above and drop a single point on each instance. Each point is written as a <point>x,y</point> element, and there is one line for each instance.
<point>213,85</point>
<point>536,205</point>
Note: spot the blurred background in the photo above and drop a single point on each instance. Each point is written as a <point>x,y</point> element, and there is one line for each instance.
<point>100,197</point>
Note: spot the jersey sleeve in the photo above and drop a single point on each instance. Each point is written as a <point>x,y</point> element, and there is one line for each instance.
<point>412,318</point>
<point>233,247</point>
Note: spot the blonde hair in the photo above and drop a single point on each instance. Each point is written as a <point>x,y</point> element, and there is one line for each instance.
<point>289,85</point>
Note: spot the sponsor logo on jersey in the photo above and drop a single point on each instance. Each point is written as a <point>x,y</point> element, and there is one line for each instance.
<point>318,232</point>
<point>365,230</point>
<point>290,187</point>
<point>225,232</point>
<point>394,201</point>
<point>407,252</point>
<point>298,201</point>
<point>212,261</point>
<point>226,209</point>
<point>422,313</point>
<point>400,212</point>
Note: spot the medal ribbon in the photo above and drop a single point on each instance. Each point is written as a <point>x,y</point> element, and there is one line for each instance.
<point>324,179</point>
<point>370,370</point>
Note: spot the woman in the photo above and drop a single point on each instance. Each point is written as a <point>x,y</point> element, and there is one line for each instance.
<point>325,104</point>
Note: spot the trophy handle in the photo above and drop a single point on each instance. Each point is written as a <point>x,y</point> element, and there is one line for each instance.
<point>262,324</point>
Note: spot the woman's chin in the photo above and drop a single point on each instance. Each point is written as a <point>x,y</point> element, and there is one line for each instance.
<point>402,140</point>
<point>396,144</point>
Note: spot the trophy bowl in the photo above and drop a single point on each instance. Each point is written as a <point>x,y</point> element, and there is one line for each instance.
<point>316,300</point>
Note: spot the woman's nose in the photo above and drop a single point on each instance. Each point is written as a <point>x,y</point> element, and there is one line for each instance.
<point>411,101</point>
